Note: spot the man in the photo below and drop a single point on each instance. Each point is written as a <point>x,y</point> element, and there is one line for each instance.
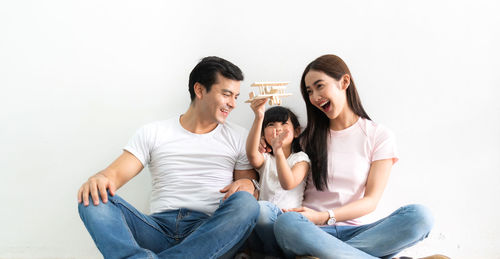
<point>198,211</point>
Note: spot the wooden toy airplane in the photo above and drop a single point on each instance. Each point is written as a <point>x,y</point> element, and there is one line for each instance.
<point>272,90</point>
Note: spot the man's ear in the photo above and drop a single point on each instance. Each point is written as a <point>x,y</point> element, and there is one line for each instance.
<point>198,90</point>
<point>345,81</point>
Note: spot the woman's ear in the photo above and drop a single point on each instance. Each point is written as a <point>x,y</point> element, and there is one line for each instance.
<point>198,90</point>
<point>345,81</point>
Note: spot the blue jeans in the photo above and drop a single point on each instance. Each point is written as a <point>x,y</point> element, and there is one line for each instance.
<point>262,238</point>
<point>385,238</point>
<point>121,231</point>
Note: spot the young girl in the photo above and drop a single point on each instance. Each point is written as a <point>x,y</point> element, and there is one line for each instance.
<point>282,171</point>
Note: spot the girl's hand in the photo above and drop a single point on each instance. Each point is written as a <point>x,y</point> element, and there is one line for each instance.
<point>316,217</point>
<point>259,107</point>
<point>277,141</point>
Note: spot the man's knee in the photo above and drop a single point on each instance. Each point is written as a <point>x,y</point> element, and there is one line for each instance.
<point>99,211</point>
<point>245,204</point>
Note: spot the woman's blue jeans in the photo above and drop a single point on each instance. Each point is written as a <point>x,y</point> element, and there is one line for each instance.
<point>121,231</point>
<point>294,234</point>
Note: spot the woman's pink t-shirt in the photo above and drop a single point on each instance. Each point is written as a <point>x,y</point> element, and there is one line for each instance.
<point>350,154</point>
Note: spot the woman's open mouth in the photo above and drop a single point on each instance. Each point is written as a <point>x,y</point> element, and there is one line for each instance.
<point>326,105</point>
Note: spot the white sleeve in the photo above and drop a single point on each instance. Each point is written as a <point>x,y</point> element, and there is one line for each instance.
<point>263,166</point>
<point>299,157</point>
<point>141,144</point>
<point>242,162</point>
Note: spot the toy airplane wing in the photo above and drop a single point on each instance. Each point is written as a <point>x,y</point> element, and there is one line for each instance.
<point>272,90</point>
<point>267,96</point>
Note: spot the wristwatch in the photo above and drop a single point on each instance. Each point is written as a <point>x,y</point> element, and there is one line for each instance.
<point>256,184</point>
<point>331,221</point>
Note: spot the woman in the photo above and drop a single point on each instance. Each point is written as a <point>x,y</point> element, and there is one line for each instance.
<point>351,159</point>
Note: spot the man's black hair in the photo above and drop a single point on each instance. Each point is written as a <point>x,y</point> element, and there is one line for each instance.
<point>205,73</point>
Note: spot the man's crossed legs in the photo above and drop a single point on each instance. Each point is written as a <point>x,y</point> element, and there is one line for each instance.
<point>121,231</point>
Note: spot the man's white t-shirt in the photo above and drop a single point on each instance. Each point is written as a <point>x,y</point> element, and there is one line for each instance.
<point>188,169</point>
<point>271,189</point>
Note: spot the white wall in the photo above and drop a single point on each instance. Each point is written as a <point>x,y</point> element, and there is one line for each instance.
<point>78,78</point>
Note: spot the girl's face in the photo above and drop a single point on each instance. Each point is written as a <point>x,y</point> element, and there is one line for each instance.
<point>273,129</point>
<point>326,93</point>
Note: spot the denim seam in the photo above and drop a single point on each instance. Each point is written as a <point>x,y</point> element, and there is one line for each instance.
<point>180,216</point>
<point>401,210</point>
<point>377,223</point>
<point>161,224</point>
<point>129,232</point>
<point>138,216</point>
<point>150,254</point>
<point>398,211</point>
<point>194,228</point>
<point>223,247</point>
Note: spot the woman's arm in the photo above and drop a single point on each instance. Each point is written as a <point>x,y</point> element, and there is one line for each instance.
<point>256,158</point>
<point>375,185</point>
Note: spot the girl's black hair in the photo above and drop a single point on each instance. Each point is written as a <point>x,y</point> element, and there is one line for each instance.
<point>282,114</point>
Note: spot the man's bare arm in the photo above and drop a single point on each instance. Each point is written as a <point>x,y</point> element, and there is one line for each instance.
<point>124,168</point>
<point>242,182</point>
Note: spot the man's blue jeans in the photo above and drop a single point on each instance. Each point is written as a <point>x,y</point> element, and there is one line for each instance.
<point>296,235</point>
<point>121,231</point>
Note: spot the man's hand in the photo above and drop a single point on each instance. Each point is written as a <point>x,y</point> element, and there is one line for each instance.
<point>316,217</point>
<point>124,168</point>
<point>238,185</point>
<point>263,148</point>
<point>97,184</point>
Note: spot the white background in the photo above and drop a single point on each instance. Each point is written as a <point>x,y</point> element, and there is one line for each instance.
<point>78,78</point>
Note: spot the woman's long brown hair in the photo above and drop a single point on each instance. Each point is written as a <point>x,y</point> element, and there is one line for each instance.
<point>314,139</point>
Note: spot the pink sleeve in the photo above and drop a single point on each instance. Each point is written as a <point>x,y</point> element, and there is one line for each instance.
<point>385,145</point>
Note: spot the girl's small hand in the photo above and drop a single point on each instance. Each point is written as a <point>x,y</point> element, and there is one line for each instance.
<point>316,217</point>
<point>259,107</point>
<point>277,141</point>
